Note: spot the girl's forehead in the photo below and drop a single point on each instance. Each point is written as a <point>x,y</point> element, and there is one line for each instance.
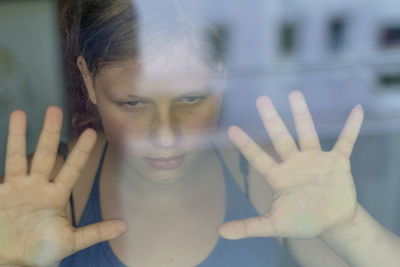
<point>132,77</point>
<point>176,58</point>
<point>174,69</point>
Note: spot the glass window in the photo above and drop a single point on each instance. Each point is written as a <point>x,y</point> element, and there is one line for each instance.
<point>179,118</point>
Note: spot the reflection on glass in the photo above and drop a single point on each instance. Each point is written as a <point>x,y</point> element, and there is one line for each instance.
<point>337,31</point>
<point>390,36</point>
<point>170,180</point>
<point>288,38</point>
<point>389,81</point>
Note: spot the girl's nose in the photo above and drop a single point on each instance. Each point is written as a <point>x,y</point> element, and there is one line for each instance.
<point>165,132</point>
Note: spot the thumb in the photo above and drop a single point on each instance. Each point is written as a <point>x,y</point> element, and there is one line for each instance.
<point>89,235</point>
<point>253,227</point>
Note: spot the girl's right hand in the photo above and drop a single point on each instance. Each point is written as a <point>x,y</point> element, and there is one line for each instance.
<point>34,227</point>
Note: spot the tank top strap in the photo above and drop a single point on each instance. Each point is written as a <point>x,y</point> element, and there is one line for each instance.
<point>92,211</point>
<point>221,160</point>
<point>235,197</point>
<point>99,168</point>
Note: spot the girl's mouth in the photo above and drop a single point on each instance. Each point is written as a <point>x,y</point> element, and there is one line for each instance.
<point>166,163</point>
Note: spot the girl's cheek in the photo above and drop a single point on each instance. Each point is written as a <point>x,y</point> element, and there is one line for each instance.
<point>201,120</point>
<point>121,131</point>
<point>114,131</point>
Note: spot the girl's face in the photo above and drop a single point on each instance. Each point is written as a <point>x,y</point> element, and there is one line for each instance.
<point>159,115</point>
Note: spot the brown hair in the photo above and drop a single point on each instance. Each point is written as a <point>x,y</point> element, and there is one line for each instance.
<point>109,31</point>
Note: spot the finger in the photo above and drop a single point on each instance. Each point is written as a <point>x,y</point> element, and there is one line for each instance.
<point>46,150</point>
<point>76,160</point>
<point>257,157</point>
<point>348,136</point>
<point>279,134</point>
<point>87,236</point>
<point>308,137</point>
<point>16,161</point>
<point>252,227</point>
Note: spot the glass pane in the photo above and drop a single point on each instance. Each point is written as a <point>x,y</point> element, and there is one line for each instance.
<point>180,116</point>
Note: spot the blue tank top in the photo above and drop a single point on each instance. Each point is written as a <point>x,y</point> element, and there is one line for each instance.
<point>250,252</point>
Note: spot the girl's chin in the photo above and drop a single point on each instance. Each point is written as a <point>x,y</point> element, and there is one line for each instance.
<point>164,177</point>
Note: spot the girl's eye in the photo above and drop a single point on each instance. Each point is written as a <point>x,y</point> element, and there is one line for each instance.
<point>131,104</point>
<point>192,99</point>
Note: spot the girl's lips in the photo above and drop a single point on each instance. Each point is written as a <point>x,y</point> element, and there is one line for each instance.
<point>166,163</point>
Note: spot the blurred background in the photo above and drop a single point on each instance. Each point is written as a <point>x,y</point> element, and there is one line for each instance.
<point>338,53</point>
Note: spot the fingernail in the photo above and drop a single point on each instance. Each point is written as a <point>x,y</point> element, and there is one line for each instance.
<point>297,94</point>
<point>265,107</point>
<point>263,100</point>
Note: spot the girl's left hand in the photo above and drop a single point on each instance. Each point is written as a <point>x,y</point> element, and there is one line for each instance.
<point>313,190</point>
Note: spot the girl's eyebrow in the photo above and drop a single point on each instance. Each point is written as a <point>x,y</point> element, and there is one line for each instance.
<point>206,92</point>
